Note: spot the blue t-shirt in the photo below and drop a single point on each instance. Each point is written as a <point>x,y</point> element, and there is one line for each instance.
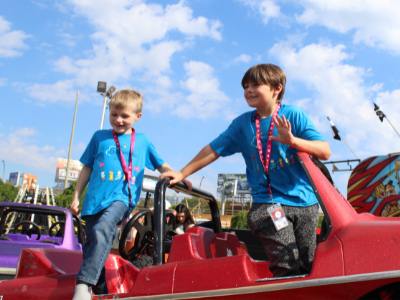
<point>107,181</point>
<point>290,185</point>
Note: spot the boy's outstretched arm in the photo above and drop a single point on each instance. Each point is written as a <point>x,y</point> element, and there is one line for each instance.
<point>83,180</point>
<point>166,168</point>
<point>205,157</point>
<point>319,149</point>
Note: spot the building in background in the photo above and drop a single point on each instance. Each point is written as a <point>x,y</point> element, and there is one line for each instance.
<point>243,186</point>
<point>227,182</point>
<point>22,179</point>
<point>14,178</point>
<point>75,168</point>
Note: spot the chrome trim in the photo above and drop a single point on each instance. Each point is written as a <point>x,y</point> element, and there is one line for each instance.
<point>8,271</point>
<point>274,286</point>
<point>280,278</point>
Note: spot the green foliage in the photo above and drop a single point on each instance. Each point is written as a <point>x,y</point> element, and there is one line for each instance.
<point>193,202</point>
<point>65,198</point>
<point>240,221</point>
<point>320,221</point>
<point>8,191</point>
<point>140,205</point>
<point>173,206</point>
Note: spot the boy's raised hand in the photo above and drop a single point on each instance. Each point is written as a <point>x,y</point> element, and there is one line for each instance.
<point>284,128</point>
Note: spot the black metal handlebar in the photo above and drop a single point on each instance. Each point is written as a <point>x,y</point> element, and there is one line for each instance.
<point>159,212</point>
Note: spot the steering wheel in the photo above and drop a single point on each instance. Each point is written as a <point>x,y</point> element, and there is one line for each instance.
<point>37,229</point>
<point>54,225</point>
<point>143,223</point>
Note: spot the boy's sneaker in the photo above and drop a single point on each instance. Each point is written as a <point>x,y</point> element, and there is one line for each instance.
<point>82,292</point>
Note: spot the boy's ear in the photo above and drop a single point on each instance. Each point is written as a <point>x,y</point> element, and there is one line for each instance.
<point>139,115</point>
<point>278,89</point>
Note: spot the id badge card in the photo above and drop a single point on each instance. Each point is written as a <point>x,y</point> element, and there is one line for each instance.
<point>125,221</point>
<point>278,216</point>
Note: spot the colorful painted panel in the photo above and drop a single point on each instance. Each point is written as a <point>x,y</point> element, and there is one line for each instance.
<point>374,186</point>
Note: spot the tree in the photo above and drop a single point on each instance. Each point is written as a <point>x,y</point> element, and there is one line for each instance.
<point>240,221</point>
<point>8,191</point>
<point>193,202</point>
<point>65,198</point>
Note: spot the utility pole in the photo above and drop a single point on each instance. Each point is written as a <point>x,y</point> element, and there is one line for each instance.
<point>70,143</point>
<point>4,169</point>
<point>104,110</point>
<point>102,88</point>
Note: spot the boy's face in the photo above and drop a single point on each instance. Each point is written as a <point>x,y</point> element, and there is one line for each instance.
<point>260,95</point>
<point>122,120</point>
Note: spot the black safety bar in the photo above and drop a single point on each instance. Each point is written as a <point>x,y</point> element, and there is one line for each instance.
<point>159,212</point>
<point>81,236</point>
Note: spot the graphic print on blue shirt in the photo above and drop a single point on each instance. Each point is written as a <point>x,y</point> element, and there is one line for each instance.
<point>290,185</point>
<point>107,180</point>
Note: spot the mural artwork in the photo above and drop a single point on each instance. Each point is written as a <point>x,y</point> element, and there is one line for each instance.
<point>374,186</point>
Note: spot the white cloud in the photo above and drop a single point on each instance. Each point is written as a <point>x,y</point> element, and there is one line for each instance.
<point>133,39</point>
<point>242,58</point>
<point>17,147</point>
<point>68,40</point>
<point>205,99</point>
<point>267,8</point>
<point>340,93</point>
<point>11,41</point>
<point>60,91</point>
<point>3,81</point>
<point>388,102</point>
<point>375,23</point>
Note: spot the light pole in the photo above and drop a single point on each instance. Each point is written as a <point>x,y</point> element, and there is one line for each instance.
<point>4,169</point>
<point>70,143</point>
<point>102,88</point>
<point>201,182</point>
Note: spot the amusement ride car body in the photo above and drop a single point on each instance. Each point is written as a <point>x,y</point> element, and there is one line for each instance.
<point>357,257</point>
<point>34,226</point>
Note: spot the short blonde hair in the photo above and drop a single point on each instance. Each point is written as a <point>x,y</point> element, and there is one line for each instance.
<point>127,98</point>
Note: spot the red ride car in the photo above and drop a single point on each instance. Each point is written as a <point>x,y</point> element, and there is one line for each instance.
<point>357,257</point>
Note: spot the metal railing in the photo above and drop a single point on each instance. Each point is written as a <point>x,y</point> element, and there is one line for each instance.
<point>159,212</point>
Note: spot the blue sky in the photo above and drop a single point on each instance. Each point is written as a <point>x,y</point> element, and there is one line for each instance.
<point>188,59</point>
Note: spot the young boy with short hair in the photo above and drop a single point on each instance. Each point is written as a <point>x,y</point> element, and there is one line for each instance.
<point>284,214</point>
<point>114,163</point>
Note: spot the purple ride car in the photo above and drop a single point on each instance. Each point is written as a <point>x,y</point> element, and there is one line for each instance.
<point>34,226</point>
